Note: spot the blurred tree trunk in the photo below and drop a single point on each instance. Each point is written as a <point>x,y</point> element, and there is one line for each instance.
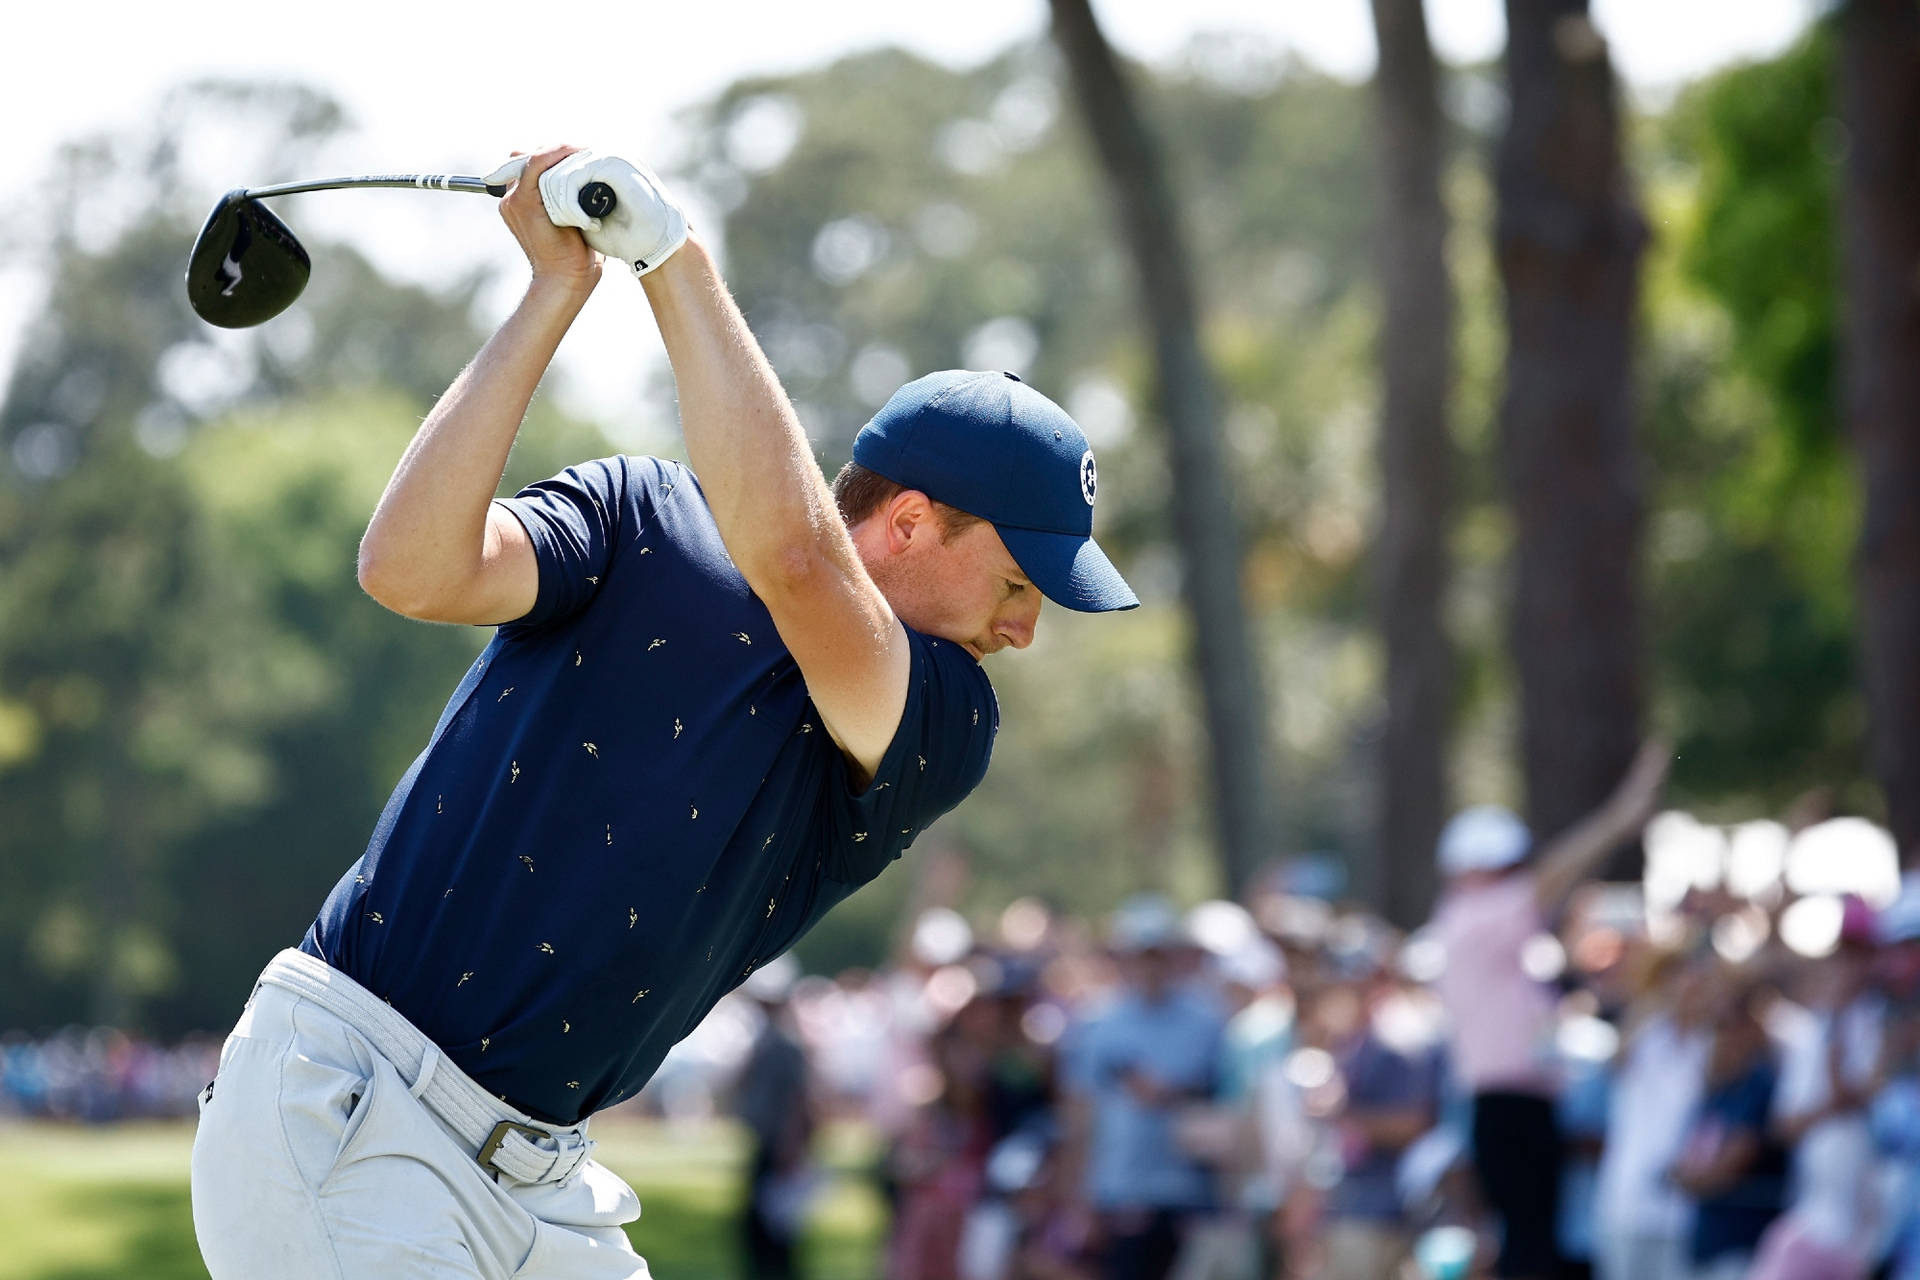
<point>1411,562</point>
<point>1189,402</point>
<point>1569,240</point>
<point>1880,234</point>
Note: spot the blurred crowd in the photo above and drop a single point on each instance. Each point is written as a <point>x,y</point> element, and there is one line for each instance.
<point>96,1075</point>
<point>1549,1079</point>
<point>1709,1074</point>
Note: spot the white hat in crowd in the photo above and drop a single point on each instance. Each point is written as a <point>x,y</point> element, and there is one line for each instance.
<point>1486,837</point>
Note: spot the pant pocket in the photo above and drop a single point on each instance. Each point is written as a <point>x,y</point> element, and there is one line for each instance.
<point>322,1107</point>
<point>252,1212</point>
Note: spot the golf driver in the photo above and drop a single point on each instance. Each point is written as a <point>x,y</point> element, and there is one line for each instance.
<point>247,266</point>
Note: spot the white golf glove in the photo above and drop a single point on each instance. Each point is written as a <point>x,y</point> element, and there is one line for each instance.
<point>645,227</point>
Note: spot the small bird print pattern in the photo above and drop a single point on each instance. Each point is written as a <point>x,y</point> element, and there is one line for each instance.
<point>516,774</point>
<point>593,749</point>
<point>546,948</point>
<point>677,727</point>
<point>484,1042</point>
<point>463,978</point>
<point>529,861</point>
<point>503,694</point>
<point>657,642</point>
<point>696,813</point>
<point>375,917</point>
<point>743,637</point>
<point>633,917</point>
<point>639,995</point>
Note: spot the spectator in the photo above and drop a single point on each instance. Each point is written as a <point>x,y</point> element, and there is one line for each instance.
<point>1391,1099</point>
<point>939,1162</point>
<point>1586,1045</point>
<point>772,1100</point>
<point>1156,1050</point>
<point>1820,1114</point>
<point>1895,1113</point>
<point>1729,1163</point>
<point>1501,1018</point>
<point>1642,1220</point>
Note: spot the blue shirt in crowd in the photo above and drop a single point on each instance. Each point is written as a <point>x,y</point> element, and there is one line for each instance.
<point>629,804</point>
<point>1134,1159</point>
<point>1732,1221</point>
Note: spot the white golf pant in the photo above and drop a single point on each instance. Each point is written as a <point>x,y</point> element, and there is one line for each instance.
<point>337,1143</point>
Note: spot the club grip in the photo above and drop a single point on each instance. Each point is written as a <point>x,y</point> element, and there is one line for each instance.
<point>597,200</point>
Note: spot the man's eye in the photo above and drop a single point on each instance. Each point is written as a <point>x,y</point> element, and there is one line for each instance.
<point>1014,588</point>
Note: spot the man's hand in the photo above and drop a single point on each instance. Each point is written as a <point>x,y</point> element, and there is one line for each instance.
<point>646,225</point>
<point>556,253</point>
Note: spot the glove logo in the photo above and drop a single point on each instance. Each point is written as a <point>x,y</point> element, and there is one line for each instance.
<point>1089,481</point>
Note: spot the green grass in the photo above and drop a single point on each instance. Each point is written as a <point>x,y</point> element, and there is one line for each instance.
<point>102,1204</point>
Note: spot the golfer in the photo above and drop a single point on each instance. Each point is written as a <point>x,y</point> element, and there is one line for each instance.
<point>719,700</point>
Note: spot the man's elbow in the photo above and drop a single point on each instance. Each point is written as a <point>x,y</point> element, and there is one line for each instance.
<point>388,580</point>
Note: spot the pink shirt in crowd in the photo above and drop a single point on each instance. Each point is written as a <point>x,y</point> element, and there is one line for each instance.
<point>1501,1020</point>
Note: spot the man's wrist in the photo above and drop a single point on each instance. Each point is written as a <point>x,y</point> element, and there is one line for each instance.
<point>562,290</point>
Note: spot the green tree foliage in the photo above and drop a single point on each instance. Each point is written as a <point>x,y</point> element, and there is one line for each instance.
<point>1752,602</point>
<point>200,713</point>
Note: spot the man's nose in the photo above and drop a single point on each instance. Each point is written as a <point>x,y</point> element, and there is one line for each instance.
<point>1017,625</point>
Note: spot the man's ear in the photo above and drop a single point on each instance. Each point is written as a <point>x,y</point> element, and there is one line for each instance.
<point>909,514</point>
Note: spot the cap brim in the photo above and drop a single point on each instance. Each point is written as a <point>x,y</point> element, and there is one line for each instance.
<point>1070,570</point>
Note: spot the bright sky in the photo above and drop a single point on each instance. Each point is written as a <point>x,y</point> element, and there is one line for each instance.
<point>451,87</point>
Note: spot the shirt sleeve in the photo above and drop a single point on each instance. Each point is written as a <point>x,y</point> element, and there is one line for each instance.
<point>938,754</point>
<point>573,521</point>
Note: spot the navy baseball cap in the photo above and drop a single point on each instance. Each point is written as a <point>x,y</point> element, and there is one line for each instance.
<point>994,447</point>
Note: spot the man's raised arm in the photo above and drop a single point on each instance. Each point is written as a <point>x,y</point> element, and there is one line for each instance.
<point>775,512</point>
<point>436,548</point>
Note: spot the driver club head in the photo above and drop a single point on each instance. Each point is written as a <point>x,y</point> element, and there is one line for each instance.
<point>246,266</point>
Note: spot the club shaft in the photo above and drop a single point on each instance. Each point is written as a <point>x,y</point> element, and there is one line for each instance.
<point>415,181</point>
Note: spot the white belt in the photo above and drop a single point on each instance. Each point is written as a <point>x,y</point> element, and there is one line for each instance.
<point>502,1139</point>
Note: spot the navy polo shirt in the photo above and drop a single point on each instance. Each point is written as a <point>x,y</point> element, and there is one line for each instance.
<point>629,804</point>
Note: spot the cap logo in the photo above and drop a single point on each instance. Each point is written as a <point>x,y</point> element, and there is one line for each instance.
<point>1089,481</point>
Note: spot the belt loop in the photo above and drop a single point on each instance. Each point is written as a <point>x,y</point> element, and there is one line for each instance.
<point>428,1062</point>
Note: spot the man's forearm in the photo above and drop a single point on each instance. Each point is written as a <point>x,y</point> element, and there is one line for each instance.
<point>427,536</point>
<point>772,505</point>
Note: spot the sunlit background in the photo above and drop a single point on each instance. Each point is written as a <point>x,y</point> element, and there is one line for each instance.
<point>200,714</point>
